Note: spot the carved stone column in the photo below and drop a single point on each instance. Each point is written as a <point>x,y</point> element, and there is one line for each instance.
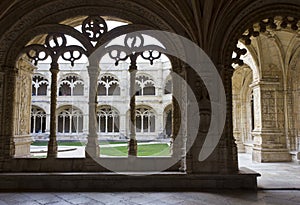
<point>22,138</point>
<point>52,144</point>
<point>132,147</point>
<point>92,149</point>
<point>238,122</point>
<point>269,138</point>
<point>224,157</point>
<point>227,148</point>
<point>8,86</point>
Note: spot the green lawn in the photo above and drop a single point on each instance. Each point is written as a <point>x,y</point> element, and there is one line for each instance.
<point>143,150</point>
<point>39,143</point>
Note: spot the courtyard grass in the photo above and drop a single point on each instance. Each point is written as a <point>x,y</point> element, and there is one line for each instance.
<point>120,150</point>
<point>143,150</point>
<point>45,143</point>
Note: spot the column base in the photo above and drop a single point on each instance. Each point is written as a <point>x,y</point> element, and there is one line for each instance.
<point>92,151</point>
<point>22,146</point>
<point>52,149</point>
<point>271,155</point>
<point>132,147</point>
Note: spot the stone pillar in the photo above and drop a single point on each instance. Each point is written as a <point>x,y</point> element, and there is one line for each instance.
<point>159,123</point>
<point>92,149</point>
<point>228,147</point>
<point>224,157</point>
<point>47,130</point>
<point>269,134</point>
<point>9,90</point>
<point>160,81</point>
<point>52,144</point>
<point>179,111</point>
<point>22,138</point>
<point>122,128</point>
<point>237,122</point>
<point>132,147</point>
<point>85,124</point>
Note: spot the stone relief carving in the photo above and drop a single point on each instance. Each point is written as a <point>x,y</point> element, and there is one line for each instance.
<point>23,99</point>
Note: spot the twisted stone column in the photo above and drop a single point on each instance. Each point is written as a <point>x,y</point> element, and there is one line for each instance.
<point>52,145</point>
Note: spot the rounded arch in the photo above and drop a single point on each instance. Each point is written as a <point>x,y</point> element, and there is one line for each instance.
<point>65,75</point>
<point>109,75</point>
<point>71,84</point>
<point>168,107</point>
<point>108,119</point>
<point>137,13</point>
<point>38,120</point>
<point>69,120</point>
<point>145,84</point>
<point>108,85</point>
<point>248,15</point>
<point>145,119</point>
<point>40,75</point>
<point>99,107</point>
<point>40,84</point>
<point>251,60</point>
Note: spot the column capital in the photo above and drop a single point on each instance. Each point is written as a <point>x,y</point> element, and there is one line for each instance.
<point>132,67</point>
<point>54,67</point>
<point>26,65</point>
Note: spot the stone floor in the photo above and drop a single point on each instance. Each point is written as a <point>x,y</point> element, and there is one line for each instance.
<point>274,175</point>
<point>158,198</point>
<point>279,185</point>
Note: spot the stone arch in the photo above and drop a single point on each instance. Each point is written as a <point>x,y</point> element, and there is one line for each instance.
<point>145,119</point>
<point>135,13</point>
<point>108,84</point>
<point>40,84</point>
<point>70,120</point>
<point>145,84</point>
<point>275,114</point>
<point>108,119</point>
<point>71,85</point>
<point>242,107</point>
<point>249,14</point>
<point>38,120</point>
